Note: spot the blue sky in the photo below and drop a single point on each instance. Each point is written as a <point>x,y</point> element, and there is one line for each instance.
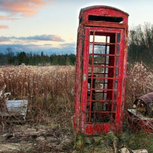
<point>51,25</point>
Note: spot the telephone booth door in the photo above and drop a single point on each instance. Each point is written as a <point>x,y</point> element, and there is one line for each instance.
<point>100,79</point>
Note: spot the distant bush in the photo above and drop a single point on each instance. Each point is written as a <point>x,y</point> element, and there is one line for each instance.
<point>141,44</point>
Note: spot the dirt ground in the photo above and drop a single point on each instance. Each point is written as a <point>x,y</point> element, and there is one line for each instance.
<point>49,138</point>
<point>40,138</point>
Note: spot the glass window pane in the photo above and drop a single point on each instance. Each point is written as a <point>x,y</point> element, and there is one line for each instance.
<point>99,49</point>
<point>115,95</point>
<point>116,72</point>
<point>115,84</point>
<point>91,38</point>
<point>117,61</point>
<point>100,38</point>
<point>118,49</point>
<point>118,38</point>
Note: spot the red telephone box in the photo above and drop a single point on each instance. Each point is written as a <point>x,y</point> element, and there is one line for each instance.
<point>101,62</point>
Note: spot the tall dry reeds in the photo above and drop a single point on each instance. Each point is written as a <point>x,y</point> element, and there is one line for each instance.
<point>49,90</point>
<point>139,82</point>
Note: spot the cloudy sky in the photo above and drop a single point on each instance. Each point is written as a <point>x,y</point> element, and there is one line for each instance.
<point>51,25</point>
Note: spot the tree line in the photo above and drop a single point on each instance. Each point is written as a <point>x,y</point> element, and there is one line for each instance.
<point>141,44</point>
<point>140,49</point>
<point>10,58</point>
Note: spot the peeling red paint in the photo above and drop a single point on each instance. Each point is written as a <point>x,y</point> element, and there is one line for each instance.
<point>100,70</point>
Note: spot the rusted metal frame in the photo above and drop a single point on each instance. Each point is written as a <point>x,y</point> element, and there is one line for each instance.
<point>107,55</point>
<point>125,45</point>
<point>105,30</point>
<point>125,34</point>
<point>98,66</point>
<point>117,55</point>
<point>103,112</point>
<point>111,49</point>
<point>91,89</point>
<point>104,24</point>
<point>105,84</point>
<point>100,112</point>
<point>104,127</point>
<point>101,101</point>
<point>104,89</point>
<point>113,77</point>
<point>140,122</point>
<point>99,128</point>
<point>112,67</point>
<point>87,62</point>
<point>111,63</point>
<point>124,56</point>
<point>77,82</point>
<point>112,84</point>
<point>82,38</point>
<point>99,63</point>
<point>104,11</point>
<point>147,98</point>
<point>103,44</point>
<point>85,51</point>
<point>145,101</point>
<point>98,73</point>
<point>103,66</point>
<point>119,92</point>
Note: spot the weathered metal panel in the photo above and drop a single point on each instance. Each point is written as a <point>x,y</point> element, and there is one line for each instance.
<point>137,121</point>
<point>147,98</point>
<point>146,103</point>
<point>16,108</point>
<point>106,11</point>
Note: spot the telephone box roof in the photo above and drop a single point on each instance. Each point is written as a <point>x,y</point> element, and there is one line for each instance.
<point>90,8</point>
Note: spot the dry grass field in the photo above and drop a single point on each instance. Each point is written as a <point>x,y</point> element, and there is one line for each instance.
<point>50,91</point>
<point>139,82</point>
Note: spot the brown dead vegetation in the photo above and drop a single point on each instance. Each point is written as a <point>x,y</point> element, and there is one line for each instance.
<point>50,91</point>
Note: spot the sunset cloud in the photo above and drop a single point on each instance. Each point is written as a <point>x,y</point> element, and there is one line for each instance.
<point>3,27</point>
<point>33,38</point>
<point>21,7</point>
<point>3,17</point>
<point>43,38</point>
